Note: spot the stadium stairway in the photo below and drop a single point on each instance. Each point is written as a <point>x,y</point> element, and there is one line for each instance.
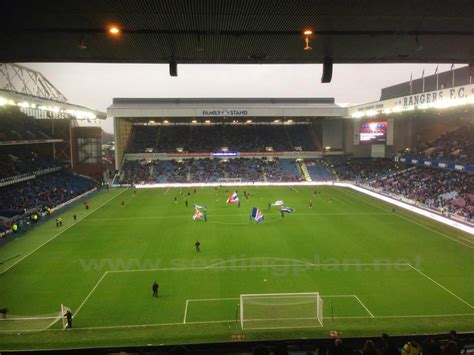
<point>304,170</point>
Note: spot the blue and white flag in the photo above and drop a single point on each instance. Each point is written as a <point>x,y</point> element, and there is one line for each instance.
<point>278,203</point>
<point>287,209</point>
<point>257,215</point>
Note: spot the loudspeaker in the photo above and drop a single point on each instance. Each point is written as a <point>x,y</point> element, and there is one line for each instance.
<point>327,70</point>
<point>173,69</point>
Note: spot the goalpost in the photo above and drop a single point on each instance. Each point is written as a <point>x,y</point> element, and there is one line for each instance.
<point>11,323</point>
<point>281,310</point>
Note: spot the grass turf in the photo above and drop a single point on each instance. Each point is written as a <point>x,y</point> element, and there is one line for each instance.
<point>376,270</point>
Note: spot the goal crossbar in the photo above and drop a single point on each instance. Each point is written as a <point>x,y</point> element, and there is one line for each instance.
<point>10,323</point>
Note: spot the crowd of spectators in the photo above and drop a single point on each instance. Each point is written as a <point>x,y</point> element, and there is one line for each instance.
<point>209,138</point>
<point>361,169</point>
<point>208,170</point>
<point>16,126</point>
<point>456,146</point>
<point>18,161</point>
<point>449,344</point>
<point>450,192</point>
<point>20,202</point>
<point>41,193</point>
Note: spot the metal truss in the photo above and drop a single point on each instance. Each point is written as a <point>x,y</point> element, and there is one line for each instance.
<point>20,79</point>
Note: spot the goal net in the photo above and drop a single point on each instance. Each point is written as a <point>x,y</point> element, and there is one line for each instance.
<point>281,310</point>
<point>11,323</point>
<point>230,180</point>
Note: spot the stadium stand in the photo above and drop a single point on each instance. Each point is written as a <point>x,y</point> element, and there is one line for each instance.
<point>242,138</point>
<point>456,145</point>
<point>319,170</point>
<point>16,126</point>
<point>20,160</point>
<point>31,181</point>
<point>208,170</point>
<point>450,192</point>
<point>42,193</point>
<point>361,169</point>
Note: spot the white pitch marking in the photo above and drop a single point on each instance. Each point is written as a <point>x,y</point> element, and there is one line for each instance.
<point>414,222</point>
<point>441,286</point>
<point>90,293</point>
<point>58,234</point>
<point>185,312</point>
<point>365,307</point>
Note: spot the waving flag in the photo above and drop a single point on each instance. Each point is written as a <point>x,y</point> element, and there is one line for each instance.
<point>287,209</point>
<point>257,215</point>
<point>278,203</point>
<point>233,198</point>
<point>197,214</point>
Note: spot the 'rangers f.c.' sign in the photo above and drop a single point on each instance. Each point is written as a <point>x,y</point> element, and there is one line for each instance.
<point>434,96</point>
<point>460,95</point>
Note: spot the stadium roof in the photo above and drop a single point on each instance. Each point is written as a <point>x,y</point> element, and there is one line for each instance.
<point>224,107</point>
<point>237,31</point>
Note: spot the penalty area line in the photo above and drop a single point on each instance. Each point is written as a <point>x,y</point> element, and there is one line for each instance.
<point>185,311</point>
<point>441,286</point>
<point>364,306</point>
<point>90,293</point>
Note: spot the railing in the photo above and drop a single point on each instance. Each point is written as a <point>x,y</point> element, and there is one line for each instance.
<point>436,163</point>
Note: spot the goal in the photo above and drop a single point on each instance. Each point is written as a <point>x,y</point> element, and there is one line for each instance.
<point>229,180</point>
<point>281,310</point>
<point>11,323</point>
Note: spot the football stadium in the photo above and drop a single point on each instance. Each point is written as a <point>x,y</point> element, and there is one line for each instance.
<point>238,225</point>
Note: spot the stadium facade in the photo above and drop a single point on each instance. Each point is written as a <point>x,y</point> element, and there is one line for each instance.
<point>66,132</point>
<point>407,114</point>
<point>313,112</point>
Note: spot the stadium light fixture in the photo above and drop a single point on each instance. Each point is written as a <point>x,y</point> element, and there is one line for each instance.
<point>194,121</point>
<point>208,121</point>
<point>82,43</point>
<point>307,34</point>
<point>165,121</point>
<point>114,30</point>
<point>249,121</point>
<point>3,101</point>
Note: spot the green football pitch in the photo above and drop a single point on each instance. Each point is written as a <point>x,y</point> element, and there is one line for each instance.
<point>375,270</point>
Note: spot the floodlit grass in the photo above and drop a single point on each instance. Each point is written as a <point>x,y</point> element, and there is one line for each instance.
<point>376,270</point>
